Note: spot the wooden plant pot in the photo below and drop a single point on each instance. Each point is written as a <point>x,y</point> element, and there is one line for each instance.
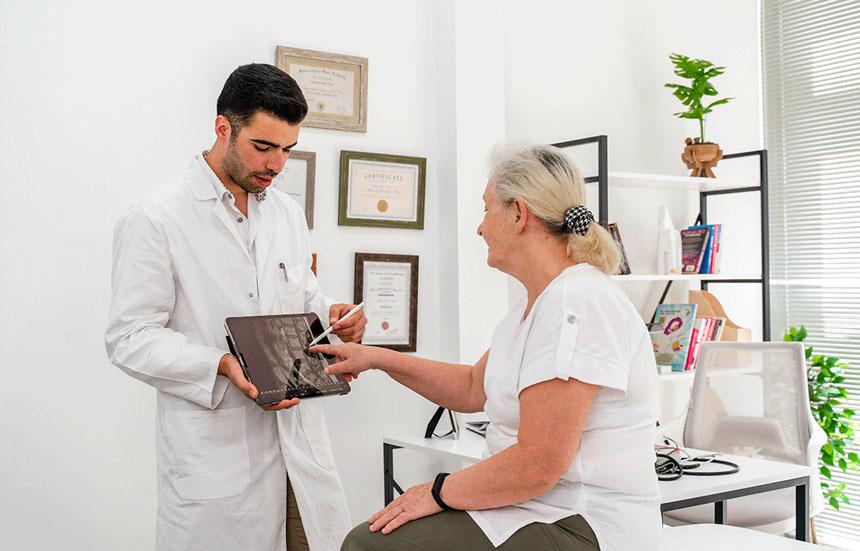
<point>701,157</point>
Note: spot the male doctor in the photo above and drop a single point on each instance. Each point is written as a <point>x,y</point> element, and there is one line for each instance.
<point>216,242</point>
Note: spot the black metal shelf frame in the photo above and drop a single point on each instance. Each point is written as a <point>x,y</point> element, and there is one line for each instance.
<point>602,179</point>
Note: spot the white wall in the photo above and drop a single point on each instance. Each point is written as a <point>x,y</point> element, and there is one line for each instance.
<point>100,105</point>
<point>480,93</point>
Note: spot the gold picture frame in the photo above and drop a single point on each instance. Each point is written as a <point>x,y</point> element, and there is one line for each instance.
<point>381,190</point>
<point>334,85</point>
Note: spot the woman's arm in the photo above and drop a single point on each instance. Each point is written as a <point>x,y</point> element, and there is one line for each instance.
<point>552,417</point>
<point>454,386</point>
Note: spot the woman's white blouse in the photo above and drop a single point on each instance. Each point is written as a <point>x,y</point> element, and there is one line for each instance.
<point>582,326</point>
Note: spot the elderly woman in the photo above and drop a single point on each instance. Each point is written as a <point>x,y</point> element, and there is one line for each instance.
<point>569,386</point>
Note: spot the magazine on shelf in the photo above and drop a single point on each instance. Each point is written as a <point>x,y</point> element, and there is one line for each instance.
<point>671,332</point>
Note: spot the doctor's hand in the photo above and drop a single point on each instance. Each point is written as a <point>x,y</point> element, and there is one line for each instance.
<point>351,358</point>
<point>416,503</point>
<point>352,328</point>
<point>230,368</point>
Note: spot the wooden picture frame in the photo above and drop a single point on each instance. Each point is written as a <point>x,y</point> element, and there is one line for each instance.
<point>388,285</point>
<point>381,190</point>
<point>302,186</point>
<point>334,85</point>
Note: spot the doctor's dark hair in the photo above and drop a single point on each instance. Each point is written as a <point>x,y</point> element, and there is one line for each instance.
<point>260,87</point>
<point>549,184</point>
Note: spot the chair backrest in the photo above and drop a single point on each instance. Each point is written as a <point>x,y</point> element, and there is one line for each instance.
<point>751,399</point>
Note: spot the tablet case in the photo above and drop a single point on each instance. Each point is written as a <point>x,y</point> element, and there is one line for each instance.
<point>272,351</point>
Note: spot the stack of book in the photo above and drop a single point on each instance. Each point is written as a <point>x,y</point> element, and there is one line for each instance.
<point>700,249</point>
<point>677,335</point>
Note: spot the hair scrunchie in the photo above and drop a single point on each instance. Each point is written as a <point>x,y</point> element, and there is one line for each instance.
<point>577,219</point>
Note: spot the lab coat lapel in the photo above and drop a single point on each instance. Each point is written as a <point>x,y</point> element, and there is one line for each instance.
<point>203,190</point>
<point>220,212</point>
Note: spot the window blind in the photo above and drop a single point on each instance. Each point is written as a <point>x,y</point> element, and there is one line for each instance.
<point>811,72</point>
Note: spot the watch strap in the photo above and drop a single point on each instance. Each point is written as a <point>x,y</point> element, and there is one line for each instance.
<point>436,491</point>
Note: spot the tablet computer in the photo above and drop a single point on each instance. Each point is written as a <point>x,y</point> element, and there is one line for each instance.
<point>272,351</point>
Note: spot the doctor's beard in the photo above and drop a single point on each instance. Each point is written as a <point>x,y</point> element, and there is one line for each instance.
<point>235,169</point>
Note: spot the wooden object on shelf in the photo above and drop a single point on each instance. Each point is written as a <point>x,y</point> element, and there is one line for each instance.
<point>701,157</point>
<point>710,306</point>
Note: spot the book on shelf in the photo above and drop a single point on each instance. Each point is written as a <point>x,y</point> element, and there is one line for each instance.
<point>695,335</point>
<point>671,332</point>
<point>706,329</point>
<point>705,266</point>
<point>613,230</point>
<point>693,244</point>
<point>716,253</point>
<point>700,249</point>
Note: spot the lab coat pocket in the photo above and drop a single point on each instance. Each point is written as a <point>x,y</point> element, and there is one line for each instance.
<point>207,453</point>
<point>291,288</point>
<point>313,424</point>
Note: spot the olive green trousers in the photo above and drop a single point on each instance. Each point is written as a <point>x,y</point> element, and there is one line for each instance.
<point>455,530</point>
<point>296,539</point>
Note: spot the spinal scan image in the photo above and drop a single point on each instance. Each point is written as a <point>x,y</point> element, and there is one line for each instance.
<point>285,342</point>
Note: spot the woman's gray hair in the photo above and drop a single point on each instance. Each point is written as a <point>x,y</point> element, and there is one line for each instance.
<point>549,184</point>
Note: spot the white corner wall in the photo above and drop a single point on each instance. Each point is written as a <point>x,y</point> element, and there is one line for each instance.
<point>480,93</point>
<point>102,102</point>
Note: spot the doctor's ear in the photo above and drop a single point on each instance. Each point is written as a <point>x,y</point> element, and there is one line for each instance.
<point>223,128</point>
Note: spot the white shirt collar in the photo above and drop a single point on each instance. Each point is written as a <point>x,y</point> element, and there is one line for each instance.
<point>219,187</point>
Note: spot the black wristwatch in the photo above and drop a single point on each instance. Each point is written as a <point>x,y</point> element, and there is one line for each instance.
<point>436,490</point>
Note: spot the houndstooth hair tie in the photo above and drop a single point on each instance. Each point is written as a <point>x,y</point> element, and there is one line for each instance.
<point>577,219</point>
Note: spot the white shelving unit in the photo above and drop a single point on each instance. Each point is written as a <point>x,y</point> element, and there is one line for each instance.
<point>753,278</point>
<point>680,183</point>
<point>606,182</point>
<point>677,376</point>
<point>686,184</point>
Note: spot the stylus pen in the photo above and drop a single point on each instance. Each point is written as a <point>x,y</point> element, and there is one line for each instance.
<point>329,330</point>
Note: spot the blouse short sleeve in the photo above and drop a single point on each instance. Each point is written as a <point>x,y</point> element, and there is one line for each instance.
<point>578,331</point>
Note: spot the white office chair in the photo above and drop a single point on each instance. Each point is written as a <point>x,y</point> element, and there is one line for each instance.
<point>752,399</point>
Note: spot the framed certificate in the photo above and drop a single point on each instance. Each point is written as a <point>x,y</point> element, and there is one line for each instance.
<point>334,85</point>
<point>388,285</point>
<point>379,190</point>
<point>297,180</point>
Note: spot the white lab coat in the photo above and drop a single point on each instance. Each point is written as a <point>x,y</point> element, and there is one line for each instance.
<point>179,269</point>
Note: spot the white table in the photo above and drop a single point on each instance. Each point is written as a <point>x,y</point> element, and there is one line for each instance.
<point>715,537</point>
<point>755,476</point>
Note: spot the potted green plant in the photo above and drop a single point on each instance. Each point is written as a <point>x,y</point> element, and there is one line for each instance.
<point>699,155</point>
<point>825,376</point>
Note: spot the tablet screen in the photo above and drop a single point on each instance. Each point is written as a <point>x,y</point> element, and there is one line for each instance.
<point>273,351</point>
